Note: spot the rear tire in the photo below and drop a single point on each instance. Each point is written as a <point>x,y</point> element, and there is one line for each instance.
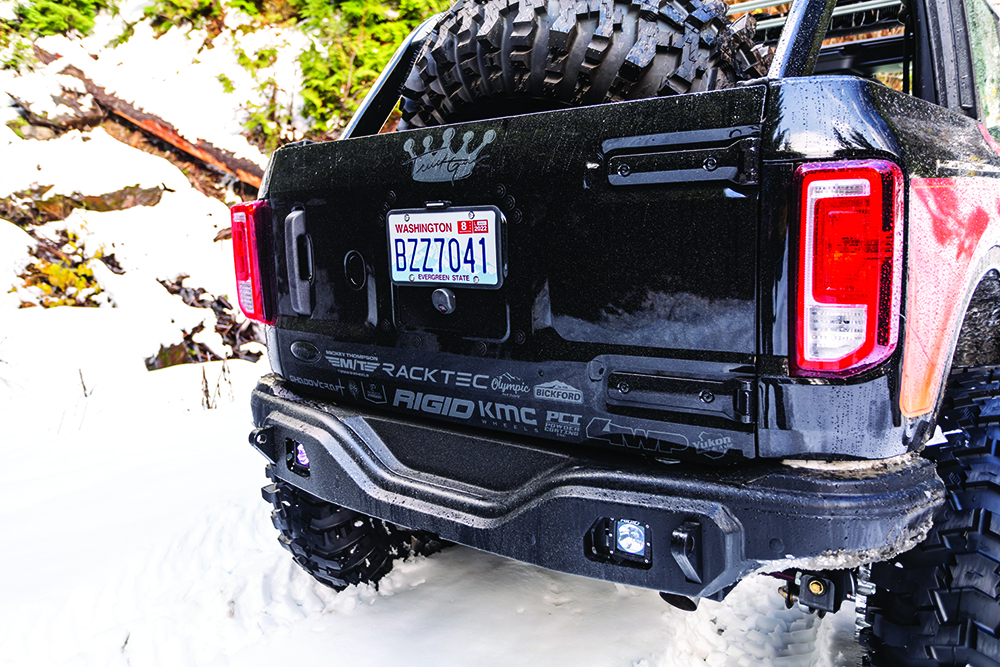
<point>337,546</point>
<point>938,604</point>
<point>500,57</point>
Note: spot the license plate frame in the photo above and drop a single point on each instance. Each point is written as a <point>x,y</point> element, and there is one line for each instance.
<point>419,239</point>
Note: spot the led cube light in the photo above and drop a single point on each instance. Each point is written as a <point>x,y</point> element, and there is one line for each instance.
<point>300,455</point>
<point>630,537</point>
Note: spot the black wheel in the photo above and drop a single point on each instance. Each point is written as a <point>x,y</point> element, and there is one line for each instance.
<point>938,604</point>
<point>500,57</point>
<point>337,546</point>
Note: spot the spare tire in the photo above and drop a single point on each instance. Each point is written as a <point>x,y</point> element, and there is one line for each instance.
<point>501,57</point>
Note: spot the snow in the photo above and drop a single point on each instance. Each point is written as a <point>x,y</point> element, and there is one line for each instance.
<point>134,529</point>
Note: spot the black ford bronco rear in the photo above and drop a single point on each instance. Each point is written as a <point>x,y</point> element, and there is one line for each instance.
<point>643,293</point>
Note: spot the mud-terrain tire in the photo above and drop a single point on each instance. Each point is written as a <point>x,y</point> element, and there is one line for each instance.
<point>938,604</point>
<point>496,58</point>
<point>337,546</point>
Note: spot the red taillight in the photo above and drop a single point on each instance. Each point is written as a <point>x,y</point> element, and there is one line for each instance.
<point>250,228</point>
<point>849,265</point>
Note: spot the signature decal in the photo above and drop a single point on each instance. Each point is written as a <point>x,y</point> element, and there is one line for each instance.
<point>443,165</point>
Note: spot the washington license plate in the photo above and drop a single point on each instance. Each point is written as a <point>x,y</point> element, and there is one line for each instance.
<point>459,247</point>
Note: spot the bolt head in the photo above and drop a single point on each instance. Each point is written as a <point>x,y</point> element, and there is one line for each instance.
<point>816,587</point>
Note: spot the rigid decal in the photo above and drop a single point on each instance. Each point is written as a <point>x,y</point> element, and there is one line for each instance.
<point>509,417</point>
<point>558,391</point>
<point>443,165</point>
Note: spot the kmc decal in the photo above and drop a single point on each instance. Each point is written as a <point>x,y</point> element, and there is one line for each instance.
<point>443,165</point>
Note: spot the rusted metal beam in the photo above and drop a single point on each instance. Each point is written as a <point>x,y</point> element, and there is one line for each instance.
<point>222,160</point>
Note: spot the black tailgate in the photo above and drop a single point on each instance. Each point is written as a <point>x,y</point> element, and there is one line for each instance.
<point>625,310</point>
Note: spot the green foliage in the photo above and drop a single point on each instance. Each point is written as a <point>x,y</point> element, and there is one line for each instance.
<point>352,41</point>
<point>15,48</point>
<point>39,18</point>
<point>246,6</point>
<point>125,35</point>
<point>61,276</point>
<point>227,83</point>
<point>48,17</point>
<point>16,126</point>
<point>263,58</point>
<point>268,124</point>
<point>166,14</point>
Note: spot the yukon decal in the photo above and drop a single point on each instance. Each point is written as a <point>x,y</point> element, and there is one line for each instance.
<point>443,165</point>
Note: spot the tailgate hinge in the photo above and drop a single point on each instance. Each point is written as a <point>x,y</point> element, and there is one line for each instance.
<point>745,405</point>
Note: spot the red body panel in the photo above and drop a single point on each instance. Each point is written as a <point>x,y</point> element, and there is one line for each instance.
<point>953,222</point>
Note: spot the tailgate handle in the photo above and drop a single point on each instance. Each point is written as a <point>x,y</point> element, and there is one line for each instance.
<point>735,162</point>
<point>299,257</point>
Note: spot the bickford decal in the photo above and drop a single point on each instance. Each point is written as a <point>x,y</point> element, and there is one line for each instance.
<point>442,165</point>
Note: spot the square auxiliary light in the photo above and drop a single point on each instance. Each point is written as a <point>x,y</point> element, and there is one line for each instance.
<point>300,455</point>
<point>630,537</point>
<point>296,458</point>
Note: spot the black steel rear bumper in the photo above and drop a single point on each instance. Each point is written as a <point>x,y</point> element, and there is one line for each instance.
<point>705,528</point>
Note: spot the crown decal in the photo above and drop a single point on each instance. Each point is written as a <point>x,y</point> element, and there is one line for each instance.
<point>440,165</point>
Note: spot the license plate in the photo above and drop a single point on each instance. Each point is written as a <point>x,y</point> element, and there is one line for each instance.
<point>458,247</point>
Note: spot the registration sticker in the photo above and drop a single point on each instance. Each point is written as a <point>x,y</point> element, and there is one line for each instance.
<point>458,247</point>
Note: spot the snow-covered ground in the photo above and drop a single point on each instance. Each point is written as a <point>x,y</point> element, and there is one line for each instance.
<point>133,529</point>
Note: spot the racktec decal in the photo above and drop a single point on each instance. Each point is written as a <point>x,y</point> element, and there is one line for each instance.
<point>443,165</point>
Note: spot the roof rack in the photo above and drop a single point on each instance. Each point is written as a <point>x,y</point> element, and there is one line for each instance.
<point>849,17</point>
